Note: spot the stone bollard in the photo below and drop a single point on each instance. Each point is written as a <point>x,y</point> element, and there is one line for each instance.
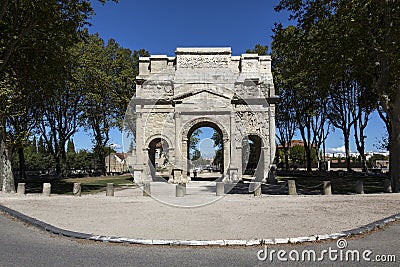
<point>387,186</point>
<point>110,190</point>
<point>257,189</point>
<point>327,188</point>
<point>21,189</point>
<point>77,191</point>
<point>359,187</point>
<point>180,190</point>
<point>220,190</point>
<point>146,189</point>
<point>292,187</point>
<point>46,189</point>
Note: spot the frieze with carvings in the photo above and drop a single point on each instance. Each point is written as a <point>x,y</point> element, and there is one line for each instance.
<point>250,122</point>
<point>202,61</point>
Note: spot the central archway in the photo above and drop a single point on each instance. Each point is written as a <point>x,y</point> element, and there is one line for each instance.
<point>197,163</point>
<point>195,124</point>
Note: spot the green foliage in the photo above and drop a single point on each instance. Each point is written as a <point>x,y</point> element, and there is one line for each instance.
<point>359,38</point>
<point>35,72</point>
<point>297,154</point>
<point>377,157</point>
<point>105,76</point>
<point>194,140</point>
<point>259,49</point>
<point>196,154</point>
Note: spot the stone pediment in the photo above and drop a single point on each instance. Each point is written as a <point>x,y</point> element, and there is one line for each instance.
<point>222,93</point>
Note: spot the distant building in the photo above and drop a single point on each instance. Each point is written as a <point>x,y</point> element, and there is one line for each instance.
<point>295,143</point>
<point>116,163</point>
<point>381,164</point>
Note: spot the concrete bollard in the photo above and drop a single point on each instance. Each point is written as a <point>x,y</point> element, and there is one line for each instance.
<point>257,189</point>
<point>180,190</point>
<point>77,191</point>
<point>146,189</point>
<point>21,189</point>
<point>327,188</point>
<point>387,186</point>
<point>46,189</point>
<point>292,187</point>
<point>220,190</point>
<point>110,190</point>
<point>359,187</point>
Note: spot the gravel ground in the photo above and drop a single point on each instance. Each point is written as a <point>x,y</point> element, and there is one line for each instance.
<point>129,214</point>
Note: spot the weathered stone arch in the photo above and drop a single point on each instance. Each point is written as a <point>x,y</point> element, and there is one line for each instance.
<point>161,136</point>
<point>206,87</point>
<point>189,125</point>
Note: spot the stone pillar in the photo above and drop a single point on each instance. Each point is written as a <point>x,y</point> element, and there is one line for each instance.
<point>77,190</point>
<point>46,189</point>
<point>180,190</point>
<point>272,175</point>
<point>257,189</point>
<point>138,157</point>
<point>328,165</point>
<point>359,187</point>
<point>387,186</point>
<point>177,176</point>
<point>327,188</point>
<point>180,145</point>
<point>146,189</point>
<point>110,190</point>
<point>233,175</point>
<point>266,162</point>
<point>292,187</point>
<point>138,175</point>
<point>227,154</point>
<point>21,189</point>
<point>220,187</point>
<point>239,162</point>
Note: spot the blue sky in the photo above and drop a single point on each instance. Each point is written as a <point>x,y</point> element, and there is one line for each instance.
<point>161,26</point>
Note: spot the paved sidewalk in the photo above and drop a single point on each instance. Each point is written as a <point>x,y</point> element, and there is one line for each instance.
<point>131,215</point>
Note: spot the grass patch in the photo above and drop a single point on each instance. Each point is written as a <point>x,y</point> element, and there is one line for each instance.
<point>89,185</point>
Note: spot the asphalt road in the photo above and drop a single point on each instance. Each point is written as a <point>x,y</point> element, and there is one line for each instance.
<point>22,245</point>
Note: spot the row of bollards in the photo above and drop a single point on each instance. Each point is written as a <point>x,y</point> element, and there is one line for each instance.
<point>46,191</point>
<point>327,188</point>
<point>180,190</point>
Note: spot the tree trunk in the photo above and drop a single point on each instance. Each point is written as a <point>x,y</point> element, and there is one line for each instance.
<point>6,174</point>
<point>21,161</point>
<point>286,152</point>
<point>346,136</point>
<point>395,154</point>
<point>395,142</point>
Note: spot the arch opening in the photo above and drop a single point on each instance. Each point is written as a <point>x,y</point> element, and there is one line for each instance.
<point>205,151</point>
<point>158,156</point>
<point>252,158</point>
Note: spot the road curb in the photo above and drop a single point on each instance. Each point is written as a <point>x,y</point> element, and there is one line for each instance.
<point>226,242</point>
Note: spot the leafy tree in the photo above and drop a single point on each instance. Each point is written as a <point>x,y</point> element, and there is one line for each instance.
<point>196,154</point>
<point>286,123</point>
<point>259,49</point>
<point>372,31</point>
<point>296,70</point>
<point>105,73</point>
<point>217,138</point>
<point>194,141</point>
<point>35,36</point>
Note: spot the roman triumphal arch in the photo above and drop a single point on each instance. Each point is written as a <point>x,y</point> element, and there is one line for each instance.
<point>202,87</point>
